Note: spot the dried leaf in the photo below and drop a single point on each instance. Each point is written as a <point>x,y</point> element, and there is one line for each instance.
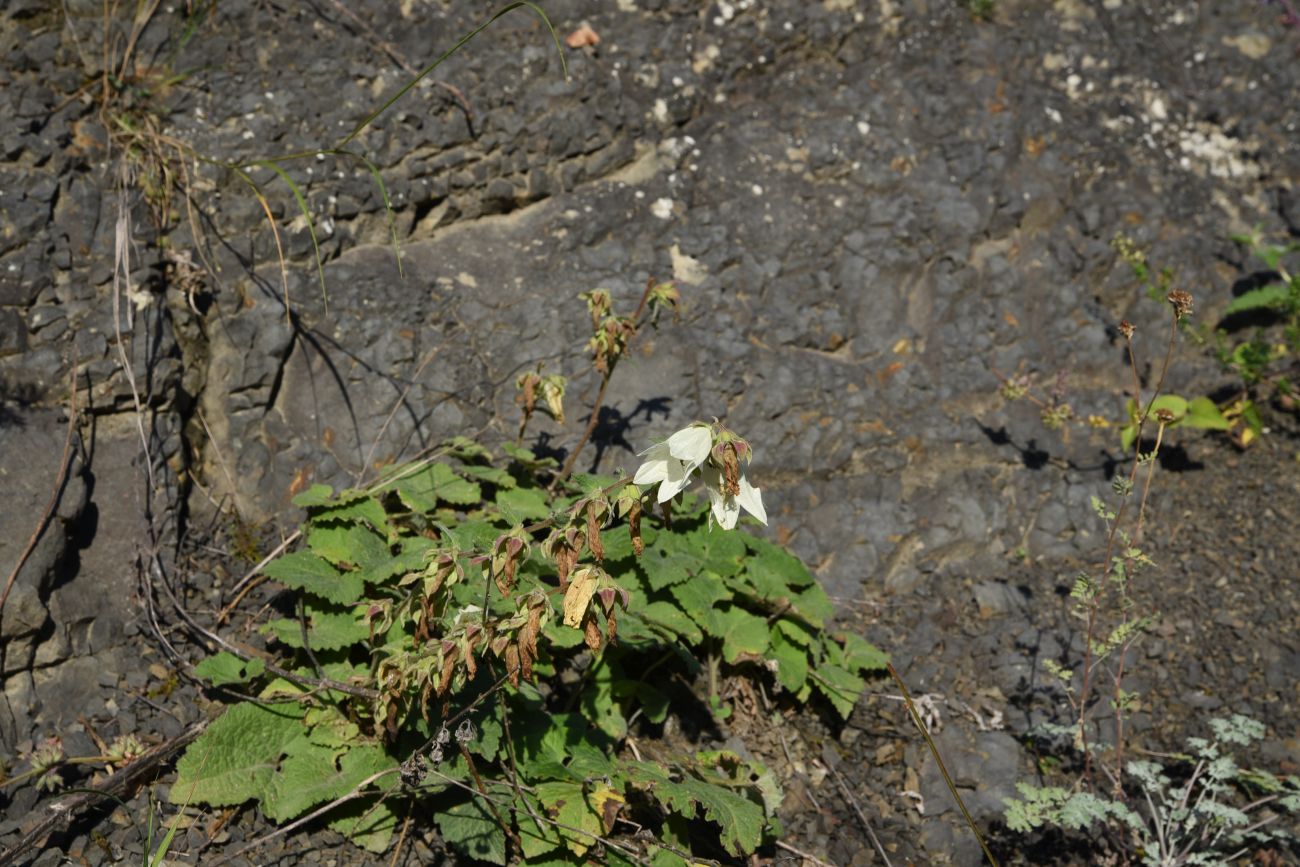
<point>578,597</point>
<point>582,37</point>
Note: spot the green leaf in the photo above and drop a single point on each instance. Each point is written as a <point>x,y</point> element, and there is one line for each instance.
<point>424,489</point>
<point>1275,295</point>
<point>1204,413</point>
<point>772,569</point>
<point>316,495</point>
<point>366,822</point>
<point>672,618</point>
<point>1172,402</point>
<point>700,595</point>
<point>739,819</point>
<point>239,754</point>
<point>326,630</point>
<point>566,803</point>
<point>311,775</point>
<point>524,504</point>
<point>362,510</point>
<point>814,605</point>
<point>471,829</point>
<point>791,662</point>
<point>348,545</point>
<point>861,655</point>
<point>721,553</point>
<point>842,688</point>
<point>225,668</point>
<point>490,474</point>
<point>303,570</point>
<point>741,632</point>
<point>668,561</point>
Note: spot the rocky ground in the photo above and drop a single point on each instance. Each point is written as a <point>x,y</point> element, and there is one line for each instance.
<point>871,209</point>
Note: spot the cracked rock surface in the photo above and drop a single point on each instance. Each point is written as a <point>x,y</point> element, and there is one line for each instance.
<point>872,209</point>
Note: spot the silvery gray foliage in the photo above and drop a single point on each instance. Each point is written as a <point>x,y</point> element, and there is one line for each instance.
<point>1210,815</point>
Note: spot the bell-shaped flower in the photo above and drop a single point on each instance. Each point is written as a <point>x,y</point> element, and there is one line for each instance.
<point>671,463</point>
<point>727,500</point>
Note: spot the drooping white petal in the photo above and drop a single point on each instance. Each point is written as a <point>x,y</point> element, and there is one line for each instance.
<point>691,444</point>
<point>752,499</point>
<point>726,511</point>
<point>678,479</point>
<point>655,467</point>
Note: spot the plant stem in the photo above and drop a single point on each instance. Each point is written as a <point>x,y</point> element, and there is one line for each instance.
<point>943,769</point>
<point>600,395</point>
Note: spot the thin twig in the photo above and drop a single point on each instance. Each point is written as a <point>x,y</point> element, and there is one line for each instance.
<point>862,817</point>
<point>781,844</point>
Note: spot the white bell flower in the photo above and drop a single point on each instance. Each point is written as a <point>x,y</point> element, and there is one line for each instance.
<point>671,463</point>
<point>727,506</point>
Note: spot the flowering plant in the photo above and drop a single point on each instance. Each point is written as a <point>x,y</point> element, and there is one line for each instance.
<point>716,454</point>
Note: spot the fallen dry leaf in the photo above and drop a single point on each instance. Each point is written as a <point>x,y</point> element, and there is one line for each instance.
<point>582,37</point>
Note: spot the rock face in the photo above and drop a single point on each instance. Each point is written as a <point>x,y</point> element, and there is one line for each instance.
<point>870,209</point>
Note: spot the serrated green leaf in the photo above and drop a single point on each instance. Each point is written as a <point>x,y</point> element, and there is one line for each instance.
<point>814,605</point>
<point>1275,295</point>
<point>741,632</point>
<point>670,617</point>
<point>422,490</point>
<point>490,474</point>
<point>366,822</point>
<point>239,754</point>
<point>311,774</point>
<point>303,570</point>
<point>316,495</point>
<point>791,662</point>
<point>566,803</point>
<point>721,553</point>
<point>842,688</point>
<point>773,570</point>
<point>225,668</point>
<point>798,633</point>
<point>739,819</point>
<point>524,504</point>
<point>326,630</point>
<point>348,545</point>
<point>668,561</point>
<point>412,558</point>
<point>700,595</point>
<point>362,510</point>
<point>471,829</point>
<point>861,655</point>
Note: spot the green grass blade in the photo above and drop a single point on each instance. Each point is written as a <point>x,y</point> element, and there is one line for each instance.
<point>275,231</point>
<point>311,226</point>
<point>388,206</point>
<point>448,53</point>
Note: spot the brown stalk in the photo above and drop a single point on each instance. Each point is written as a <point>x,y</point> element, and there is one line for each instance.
<point>604,384</point>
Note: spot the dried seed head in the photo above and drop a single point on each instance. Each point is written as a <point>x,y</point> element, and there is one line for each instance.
<point>1182,302</point>
<point>1126,329</point>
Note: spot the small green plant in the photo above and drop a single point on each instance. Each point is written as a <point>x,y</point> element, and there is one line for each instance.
<point>457,583</point>
<point>981,10</point>
<point>1206,809</point>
